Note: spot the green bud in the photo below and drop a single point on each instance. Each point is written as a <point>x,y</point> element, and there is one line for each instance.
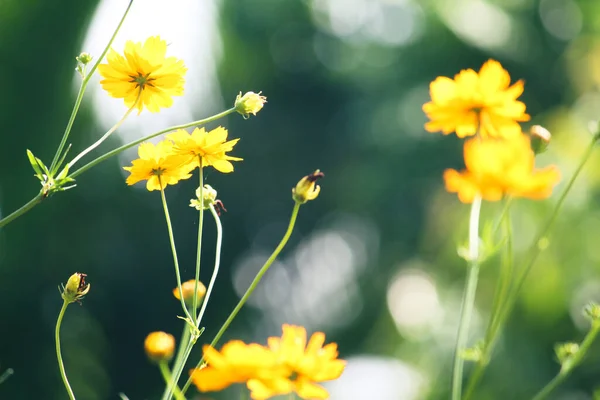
<point>209,197</point>
<point>564,351</point>
<point>84,58</point>
<point>592,311</point>
<point>540,138</point>
<point>249,103</point>
<point>75,288</point>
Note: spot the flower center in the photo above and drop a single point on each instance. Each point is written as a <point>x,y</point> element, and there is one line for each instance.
<point>157,171</point>
<point>141,80</point>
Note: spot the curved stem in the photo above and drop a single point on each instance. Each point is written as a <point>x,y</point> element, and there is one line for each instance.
<point>166,374</point>
<point>152,135</point>
<point>61,365</point>
<point>26,207</point>
<point>107,134</point>
<point>199,246</point>
<point>502,287</point>
<point>571,364</point>
<point>468,299</point>
<point>217,263</point>
<point>252,286</point>
<point>82,88</point>
<point>173,249</point>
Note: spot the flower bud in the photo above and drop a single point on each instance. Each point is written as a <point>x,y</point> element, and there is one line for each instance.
<point>159,346</point>
<point>540,138</point>
<point>84,58</point>
<point>592,311</point>
<point>249,103</point>
<point>564,351</point>
<point>209,197</point>
<point>75,288</point>
<point>188,292</point>
<point>307,189</point>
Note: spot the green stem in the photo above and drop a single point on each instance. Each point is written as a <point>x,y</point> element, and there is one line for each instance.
<point>173,250</point>
<point>179,359</point>
<point>107,134</point>
<point>217,263</point>
<point>468,299</point>
<point>82,88</point>
<point>164,370</point>
<point>252,286</point>
<point>155,134</point>
<point>16,214</point>
<point>199,246</point>
<point>535,251</point>
<point>500,292</point>
<point>61,364</point>
<point>569,365</point>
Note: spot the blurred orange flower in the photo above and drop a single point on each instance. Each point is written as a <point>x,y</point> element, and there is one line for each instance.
<point>474,102</point>
<point>498,167</point>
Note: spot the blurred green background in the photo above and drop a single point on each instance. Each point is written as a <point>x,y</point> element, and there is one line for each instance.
<point>372,262</point>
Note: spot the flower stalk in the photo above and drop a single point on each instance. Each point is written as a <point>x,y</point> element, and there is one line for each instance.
<point>61,364</point>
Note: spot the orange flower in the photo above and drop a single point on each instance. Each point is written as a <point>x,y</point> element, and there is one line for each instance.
<point>498,167</point>
<point>474,102</point>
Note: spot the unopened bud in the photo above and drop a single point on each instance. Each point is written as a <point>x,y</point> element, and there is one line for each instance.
<point>84,58</point>
<point>249,103</point>
<point>209,197</point>
<point>592,311</point>
<point>564,351</point>
<point>75,288</point>
<point>307,189</point>
<point>159,346</point>
<point>540,138</point>
<point>188,292</point>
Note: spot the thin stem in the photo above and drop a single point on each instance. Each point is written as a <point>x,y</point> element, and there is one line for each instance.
<point>82,88</point>
<point>6,374</point>
<point>217,263</point>
<point>252,286</point>
<point>107,134</point>
<point>199,246</point>
<point>61,364</point>
<point>500,292</point>
<point>166,374</point>
<point>173,249</point>
<point>16,214</point>
<point>570,364</point>
<point>468,299</point>
<point>155,134</point>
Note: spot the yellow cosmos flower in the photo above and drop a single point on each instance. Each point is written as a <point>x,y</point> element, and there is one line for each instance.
<point>143,72</point>
<point>498,167</point>
<point>158,165</point>
<point>159,346</point>
<point>309,363</point>
<point>239,363</point>
<point>474,102</point>
<point>210,147</point>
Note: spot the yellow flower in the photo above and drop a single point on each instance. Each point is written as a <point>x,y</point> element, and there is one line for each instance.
<point>159,346</point>
<point>474,102</point>
<point>308,363</point>
<point>498,167</point>
<point>143,72</point>
<point>158,165</point>
<point>238,363</point>
<point>188,292</point>
<point>306,189</point>
<point>249,103</point>
<point>75,288</point>
<point>208,146</point>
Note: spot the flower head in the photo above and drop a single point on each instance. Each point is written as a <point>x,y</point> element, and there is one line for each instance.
<point>210,147</point>
<point>238,363</point>
<point>472,102</point>
<point>158,165</point>
<point>159,346</point>
<point>309,362</point>
<point>307,189</point>
<point>249,103</point>
<point>498,167</point>
<point>188,292</point>
<point>144,76</point>
<point>75,288</point>
<point>209,196</point>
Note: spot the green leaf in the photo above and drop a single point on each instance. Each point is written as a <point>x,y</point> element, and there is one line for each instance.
<point>34,165</point>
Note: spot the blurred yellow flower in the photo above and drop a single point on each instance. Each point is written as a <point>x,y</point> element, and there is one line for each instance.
<point>249,103</point>
<point>474,102</point>
<point>287,365</point>
<point>239,363</point>
<point>145,72</point>
<point>308,363</point>
<point>307,189</point>
<point>159,346</point>
<point>188,292</point>
<point>208,146</point>
<point>157,164</point>
<point>498,167</point>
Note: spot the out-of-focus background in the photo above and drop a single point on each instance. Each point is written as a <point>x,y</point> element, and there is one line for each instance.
<point>372,262</point>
